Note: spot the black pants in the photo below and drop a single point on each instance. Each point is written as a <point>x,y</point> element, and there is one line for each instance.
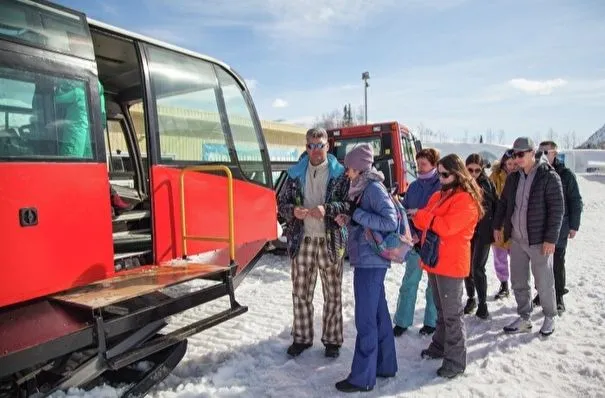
<point>477,280</point>
<point>559,271</point>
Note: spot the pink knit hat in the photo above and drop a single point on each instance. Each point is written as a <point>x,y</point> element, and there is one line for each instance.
<point>360,158</point>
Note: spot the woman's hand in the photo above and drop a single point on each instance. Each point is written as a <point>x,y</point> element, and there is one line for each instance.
<point>411,212</point>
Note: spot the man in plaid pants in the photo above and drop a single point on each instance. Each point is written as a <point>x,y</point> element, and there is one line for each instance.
<point>313,195</point>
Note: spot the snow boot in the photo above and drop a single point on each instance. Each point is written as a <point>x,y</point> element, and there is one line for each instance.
<point>560,305</point>
<point>503,292</point>
<point>332,351</point>
<point>345,386</point>
<point>519,325</point>
<point>398,330</point>
<point>297,348</point>
<point>548,327</point>
<point>448,373</point>
<point>426,330</point>
<point>470,306</point>
<point>482,311</point>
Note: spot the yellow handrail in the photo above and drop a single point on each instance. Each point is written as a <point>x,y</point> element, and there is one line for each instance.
<point>230,207</point>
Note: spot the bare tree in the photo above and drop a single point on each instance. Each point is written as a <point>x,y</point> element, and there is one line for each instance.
<point>551,135</point>
<point>537,137</point>
<point>574,139</point>
<point>566,140</point>
<point>329,120</point>
<point>466,136</point>
<point>501,136</point>
<point>489,136</point>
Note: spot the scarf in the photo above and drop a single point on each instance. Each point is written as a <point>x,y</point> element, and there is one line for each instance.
<point>359,184</point>
<point>428,175</point>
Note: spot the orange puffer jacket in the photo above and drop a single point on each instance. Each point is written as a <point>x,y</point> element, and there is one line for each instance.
<point>454,221</point>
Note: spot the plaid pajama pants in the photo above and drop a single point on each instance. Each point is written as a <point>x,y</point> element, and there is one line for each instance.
<point>313,256</point>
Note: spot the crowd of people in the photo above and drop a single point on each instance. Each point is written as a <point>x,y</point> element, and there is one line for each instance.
<point>524,211</point>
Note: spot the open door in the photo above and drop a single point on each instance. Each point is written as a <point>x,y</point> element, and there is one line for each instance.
<point>55,212</point>
<point>204,117</point>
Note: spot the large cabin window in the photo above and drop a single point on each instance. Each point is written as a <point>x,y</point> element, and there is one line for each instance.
<point>43,116</point>
<point>186,90</point>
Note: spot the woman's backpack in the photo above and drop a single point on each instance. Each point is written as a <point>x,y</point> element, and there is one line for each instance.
<point>394,245</point>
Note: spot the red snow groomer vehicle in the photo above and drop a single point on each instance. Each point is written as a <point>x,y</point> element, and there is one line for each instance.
<point>118,154</point>
<point>395,149</point>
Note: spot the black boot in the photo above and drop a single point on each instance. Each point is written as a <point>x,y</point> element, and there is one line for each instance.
<point>482,311</point>
<point>470,306</point>
<point>398,330</point>
<point>426,330</point>
<point>503,292</point>
<point>345,386</point>
<point>297,348</point>
<point>560,305</point>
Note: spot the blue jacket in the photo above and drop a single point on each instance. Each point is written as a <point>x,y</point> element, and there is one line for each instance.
<point>292,195</point>
<point>418,195</point>
<point>377,212</point>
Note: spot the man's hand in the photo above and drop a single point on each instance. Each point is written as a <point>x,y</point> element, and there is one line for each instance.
<point>548,248</point>
<point>300,212</point>
<point>572,234</point>
<point>342,219</point>
<point>317,212</point>
<point>498,236</point>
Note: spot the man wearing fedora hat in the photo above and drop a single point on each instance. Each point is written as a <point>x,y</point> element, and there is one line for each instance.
<point>531,211</point>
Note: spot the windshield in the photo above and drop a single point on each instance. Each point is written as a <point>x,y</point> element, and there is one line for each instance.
<point>342,147</point>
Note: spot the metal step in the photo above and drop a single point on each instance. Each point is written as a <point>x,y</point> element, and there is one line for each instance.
<point>121,256</point>
<point>132,234</point>
<point>132,215</point>
<point>129,241</point>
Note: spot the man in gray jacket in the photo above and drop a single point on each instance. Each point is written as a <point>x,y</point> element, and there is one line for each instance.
<point>531,211</point>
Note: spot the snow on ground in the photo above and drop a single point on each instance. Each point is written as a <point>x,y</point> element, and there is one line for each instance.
<point>245,357</point>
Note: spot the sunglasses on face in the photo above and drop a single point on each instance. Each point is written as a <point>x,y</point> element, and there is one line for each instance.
<point>519,155</point>
<point>320,145</point>
<point>473,170</point>
<point>509,154</point>
<point>444,174</point>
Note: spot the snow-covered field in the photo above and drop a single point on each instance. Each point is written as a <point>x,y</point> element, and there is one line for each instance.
<point>245,357</point>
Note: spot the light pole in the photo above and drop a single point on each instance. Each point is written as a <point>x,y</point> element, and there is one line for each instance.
<point>365,76</point>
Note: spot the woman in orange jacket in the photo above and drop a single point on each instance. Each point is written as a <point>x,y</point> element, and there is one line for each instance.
<point>452,215</point>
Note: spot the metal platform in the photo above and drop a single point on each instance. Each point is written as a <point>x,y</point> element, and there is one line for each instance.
<point>135,282</point>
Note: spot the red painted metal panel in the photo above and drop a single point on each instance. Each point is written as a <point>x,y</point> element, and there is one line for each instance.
<point>72,243</point>
<point>38,322</point>
<point>206,212</point>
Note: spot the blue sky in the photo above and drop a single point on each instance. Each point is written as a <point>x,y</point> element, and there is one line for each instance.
<point>452,65</point>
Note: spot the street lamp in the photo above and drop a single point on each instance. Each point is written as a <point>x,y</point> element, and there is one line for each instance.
<point>365,76</point>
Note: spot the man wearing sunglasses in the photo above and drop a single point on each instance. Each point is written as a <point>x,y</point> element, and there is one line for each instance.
<point>571,219</point>
<point>314,193</point>
<point>531,211</point>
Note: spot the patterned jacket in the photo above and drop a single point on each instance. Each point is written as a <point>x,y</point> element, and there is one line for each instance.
<point>292,195</point>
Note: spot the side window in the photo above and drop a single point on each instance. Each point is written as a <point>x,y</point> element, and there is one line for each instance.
<point>245,136</point>
<point>118,158</point>
<point>409,158</point>
<point>185,91</point>
<point>43,116</point>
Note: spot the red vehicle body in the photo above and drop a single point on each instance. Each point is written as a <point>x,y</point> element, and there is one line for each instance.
<point>394,150</point>
<point>87,246</point>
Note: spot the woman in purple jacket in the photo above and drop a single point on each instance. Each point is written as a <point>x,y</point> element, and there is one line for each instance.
<point>370,206</point>
<point>415,198</point>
